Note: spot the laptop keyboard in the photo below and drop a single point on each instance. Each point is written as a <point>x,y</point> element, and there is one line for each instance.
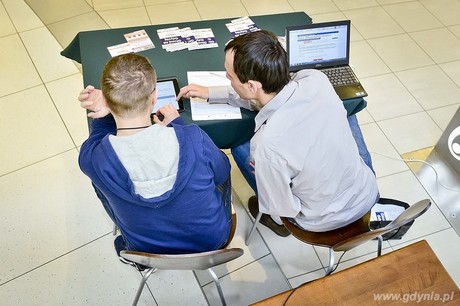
<point>340,76</point>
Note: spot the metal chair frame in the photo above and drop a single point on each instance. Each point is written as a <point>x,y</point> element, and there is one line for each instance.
<point>195,261</point>
<point>350,236</point>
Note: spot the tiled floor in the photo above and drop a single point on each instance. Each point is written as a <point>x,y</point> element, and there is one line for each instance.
<point>56,246</point>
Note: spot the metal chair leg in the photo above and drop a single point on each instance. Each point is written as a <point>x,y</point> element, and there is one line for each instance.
<point>115,229</point>
<point>379,247</point>
<point>253,228</point>
<point>330,267</point>
<point>142,284</point>
<point>219,289</point>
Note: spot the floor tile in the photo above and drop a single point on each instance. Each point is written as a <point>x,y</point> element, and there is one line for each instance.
<point>354,4</point>
<point>383,2</point>
<point>101,279</point>
<point>328,17</point>
<point>446,10</point>
<point>430,86</point>
<point>405,187</point>
<point>104,5</point>
<point>61,9</point>
<point>389,49</point>
<point>169,13</point>
<point>16,64</point>
<point>267,7</point>
<point>60,208</point>
<point>364,117</point>
<point>64,31</point>
<point>411,132</point>
<point>440,44</point>
<point>253,283</point>
<point>388,98</point>
<point>21,15</point>
<point>385,158</point>
<point>69,109</point>
<point>443,115</point>
<point>365,61</point>
<point>44,51</point>
<point>301,257</point>
<point>154,2</point>
<point>373,22</point>
<point>42,136</point>
<point>210,9</point>
<point>412,16</point>
<point>453,71</point>
<point>6,26</point>
<point>126,18</point>
<point>305,278</point>
<point>455,30</point>
<point>312,7</point>
<point>175,288</point>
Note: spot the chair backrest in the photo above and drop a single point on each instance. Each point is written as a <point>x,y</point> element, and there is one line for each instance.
<point>410,214</point>
<point>194,261</point>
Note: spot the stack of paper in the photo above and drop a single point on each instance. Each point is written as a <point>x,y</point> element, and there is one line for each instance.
<point>201,109</point>
<point>241,26</point>
<point>136,41</point>
<point>174,39</point>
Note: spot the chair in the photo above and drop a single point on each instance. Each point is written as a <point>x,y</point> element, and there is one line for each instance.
<point>354,234</point>
<point>193,261</point>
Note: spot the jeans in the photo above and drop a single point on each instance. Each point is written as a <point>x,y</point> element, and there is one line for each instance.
<point>241,153</point>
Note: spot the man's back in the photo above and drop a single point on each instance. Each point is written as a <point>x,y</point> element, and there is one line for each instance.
<point>187,216</point>
<point>306,158</point>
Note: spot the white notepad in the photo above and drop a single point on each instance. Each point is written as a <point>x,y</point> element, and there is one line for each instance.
<point>201,109</point>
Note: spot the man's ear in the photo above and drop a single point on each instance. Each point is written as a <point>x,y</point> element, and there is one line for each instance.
<point>254,86</point>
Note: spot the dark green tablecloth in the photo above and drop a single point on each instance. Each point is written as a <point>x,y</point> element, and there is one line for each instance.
<point>90,49</point>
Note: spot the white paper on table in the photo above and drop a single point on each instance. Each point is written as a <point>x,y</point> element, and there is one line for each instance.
<point>120,49</point>
<point>387,212</point>
<point>241,26</point>
<point>201,109</point>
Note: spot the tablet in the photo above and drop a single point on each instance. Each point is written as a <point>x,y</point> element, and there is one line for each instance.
<point>167,89</point>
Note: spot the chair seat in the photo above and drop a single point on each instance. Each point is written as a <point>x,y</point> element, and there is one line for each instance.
<point>329,238</point>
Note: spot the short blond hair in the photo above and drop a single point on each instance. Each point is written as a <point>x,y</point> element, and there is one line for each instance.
<point>127,84</point>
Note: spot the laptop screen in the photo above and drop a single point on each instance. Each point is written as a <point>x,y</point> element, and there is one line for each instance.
<point>318,45</point>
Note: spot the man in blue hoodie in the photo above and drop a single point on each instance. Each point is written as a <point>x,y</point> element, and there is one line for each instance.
<point>165,185</point>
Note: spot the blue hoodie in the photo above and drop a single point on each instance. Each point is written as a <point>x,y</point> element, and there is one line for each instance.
<point>173,209</point>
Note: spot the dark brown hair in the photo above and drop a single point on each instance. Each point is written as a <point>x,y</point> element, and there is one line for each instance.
<point>259,56</point>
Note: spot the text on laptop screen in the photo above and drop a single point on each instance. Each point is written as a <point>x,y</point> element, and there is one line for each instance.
<point>318,47</point>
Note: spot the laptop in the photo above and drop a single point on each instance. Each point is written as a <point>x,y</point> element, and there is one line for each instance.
<point>325,46</point>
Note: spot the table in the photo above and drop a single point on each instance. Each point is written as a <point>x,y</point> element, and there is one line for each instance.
<point>90,49</point>
<point>408,275</point>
